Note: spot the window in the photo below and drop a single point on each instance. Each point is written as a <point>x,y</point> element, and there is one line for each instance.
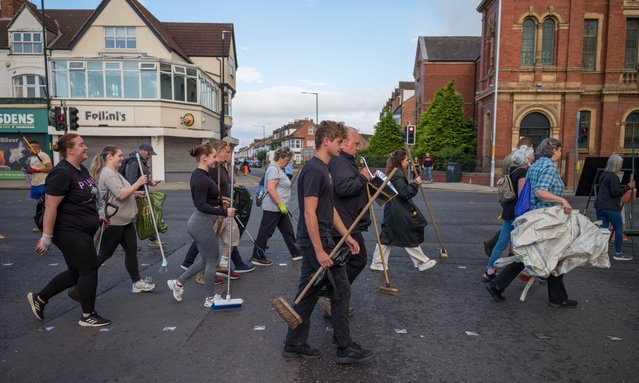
<point>149,80</point>
<point>310,130</point>
<point>296,144</point>
<point>227,103</point>
<point>231,67</point>
<point>584,129</point>
<point>632,44</point>
<point>589,54</point>
<point>119,38</point>
<point>77,79</point>
<point>528,42</point>
<point>631,134</point>
<point>548,42</point>
<point>27,43</point>
<point>29,86</point>
<point>166,83</point>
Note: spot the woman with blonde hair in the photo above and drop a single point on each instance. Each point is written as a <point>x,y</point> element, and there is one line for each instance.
<point>403,224</point>
<point>115,189</point>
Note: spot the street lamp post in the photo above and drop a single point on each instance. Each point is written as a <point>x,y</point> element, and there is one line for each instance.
<point>316,105</point>
<point>223,86</point>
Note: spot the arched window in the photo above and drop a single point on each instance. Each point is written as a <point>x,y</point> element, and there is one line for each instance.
<point>29,86</point>
<point>548,42</point>
<point>631,134</point>
<point>535,126</point>
<point>528,42</point>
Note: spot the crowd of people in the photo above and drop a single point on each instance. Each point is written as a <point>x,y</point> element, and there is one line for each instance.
<point>332,192</point>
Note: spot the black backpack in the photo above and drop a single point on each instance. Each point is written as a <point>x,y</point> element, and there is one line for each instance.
<point>39,213</point>
<point>122,169</point>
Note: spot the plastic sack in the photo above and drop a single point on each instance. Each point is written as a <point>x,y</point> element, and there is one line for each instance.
<point>144,221</point>
<point>523,201</point>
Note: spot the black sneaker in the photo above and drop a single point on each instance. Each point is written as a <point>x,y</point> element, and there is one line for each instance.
<point>488,277</point>
<point>302,351</point>
<point>36,306</point>
<point>354,353</point>
<point>568,303</point>
<point>495,292</point>
<point>261,261</point>
<point>93,320</point>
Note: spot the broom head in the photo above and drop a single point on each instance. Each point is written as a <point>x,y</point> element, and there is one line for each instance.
<point>443,256</point>
<point>228,303</point>
<point>287,313</point>
<point>388,291</point>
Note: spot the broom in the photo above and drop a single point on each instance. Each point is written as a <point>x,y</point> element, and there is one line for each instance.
<point>387,289</point>
<point>282,308</point>
<point>443,254</point>
<point>228,303</point>
<point>165,264</point>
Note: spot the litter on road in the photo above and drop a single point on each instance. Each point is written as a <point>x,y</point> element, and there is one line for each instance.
<point>613,337</point>
<point>401,331</point>
<point>259,328</point>
<point>169,328</point>
<point>471,333</point>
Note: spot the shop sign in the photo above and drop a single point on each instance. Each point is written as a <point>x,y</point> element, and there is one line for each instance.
<point>24,120</point>
<point>101,116</point>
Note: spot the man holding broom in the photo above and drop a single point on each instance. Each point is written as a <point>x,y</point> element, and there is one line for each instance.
<point>317,219</point>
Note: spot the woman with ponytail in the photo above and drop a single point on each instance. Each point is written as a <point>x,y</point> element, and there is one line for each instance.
<point>205,194</point>
<point>115,189</point>
<point>403,224</point>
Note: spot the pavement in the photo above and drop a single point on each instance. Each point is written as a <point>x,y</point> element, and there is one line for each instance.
<point>442,327</point>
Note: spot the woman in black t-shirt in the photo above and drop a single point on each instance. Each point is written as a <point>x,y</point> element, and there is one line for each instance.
<point>70,221</point>
<point>521,158</point>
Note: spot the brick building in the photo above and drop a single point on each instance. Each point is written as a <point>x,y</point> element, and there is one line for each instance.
<point>401,104</point>
<point>557,59</point>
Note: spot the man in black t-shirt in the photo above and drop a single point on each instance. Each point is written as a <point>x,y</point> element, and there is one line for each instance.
<point>317,219</point>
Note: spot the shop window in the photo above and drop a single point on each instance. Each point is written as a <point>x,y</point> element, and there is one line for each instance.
<point>26,43</point>
<point>632,43</point>
<point>589,52</point>
<point>29,86</point>
<point>528,42</point>
<point>548,42</point>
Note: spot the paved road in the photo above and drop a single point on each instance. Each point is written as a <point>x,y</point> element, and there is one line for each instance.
<point>435,308</point>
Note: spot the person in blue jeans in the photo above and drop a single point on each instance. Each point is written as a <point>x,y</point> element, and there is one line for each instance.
<point>427,164</point>
<point>521,158</point>
<point>608,203</point>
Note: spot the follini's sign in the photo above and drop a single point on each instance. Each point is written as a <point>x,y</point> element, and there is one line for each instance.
<point>93,116</point>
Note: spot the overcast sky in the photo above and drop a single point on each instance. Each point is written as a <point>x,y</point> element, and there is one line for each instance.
<point>352,53</point>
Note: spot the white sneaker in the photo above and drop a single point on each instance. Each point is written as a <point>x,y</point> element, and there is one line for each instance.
<point>427,265</point>
<point>177,290</point>
<point>141,286</point>
<point>208,302</point>
<point>377,267</point>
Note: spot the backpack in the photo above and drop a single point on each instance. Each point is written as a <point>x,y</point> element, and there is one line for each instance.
<point>505,188</point>
<point>122,168</point>
<point>261,192</point>
<point>523,201</point>
<point>39,213</point>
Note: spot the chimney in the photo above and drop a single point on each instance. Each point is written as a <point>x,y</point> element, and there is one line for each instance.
<point>10,8</point>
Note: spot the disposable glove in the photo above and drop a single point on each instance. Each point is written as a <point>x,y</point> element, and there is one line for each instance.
<point>43,244</point>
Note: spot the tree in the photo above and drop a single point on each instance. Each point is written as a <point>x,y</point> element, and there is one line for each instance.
<point>387,137</point>
<point>261,155</point>
<point>443,124</point>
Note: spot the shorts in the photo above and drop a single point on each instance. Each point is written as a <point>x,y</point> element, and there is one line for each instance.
<point>37,191</point>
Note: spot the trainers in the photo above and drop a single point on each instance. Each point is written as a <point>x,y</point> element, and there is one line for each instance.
<point>177,290</point>
<point>141,286</point>
<point>494,292</point>
<point>262,261</point>
<point>568,303</point>
<point>427,265</point>
<point>35,229</point>
<point>93,320</point>
<point>36,306</point>
<point>302,351</point>
<point>354,353</point>
<point>223,273</point>
<point>244,268</point>
<point>208,302</point>
<point>296,257</point>
<point>622,257</point>
<point>488,277</point>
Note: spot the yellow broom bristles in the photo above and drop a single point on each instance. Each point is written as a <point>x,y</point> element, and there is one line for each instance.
<point>287,313</point>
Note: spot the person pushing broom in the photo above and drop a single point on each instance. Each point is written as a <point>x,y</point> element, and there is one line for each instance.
<point>317,219</point>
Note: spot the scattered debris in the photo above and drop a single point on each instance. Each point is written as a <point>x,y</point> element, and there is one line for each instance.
<point>259,327</point>
<point>169,328</point>
<point>542,336</point>
<point>282,264</point>
<point>7,264</point>
<point>53,264</point>
<point>471,333</point>
<point>461,267</point>
<point>401,331</point>
<point>105,329</point>
<point>613,337</point>
<point>144,264</point>
<point>46,328</point>
<point>329,329</point>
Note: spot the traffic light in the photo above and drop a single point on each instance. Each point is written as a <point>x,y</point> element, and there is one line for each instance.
<point>73,119</point>
<point>404,135</point>
<point>410,135</point>
<point>60,119</point>
<point>583,135</point>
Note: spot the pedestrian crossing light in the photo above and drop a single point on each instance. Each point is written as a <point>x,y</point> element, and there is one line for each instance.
<point>410,135</point>
<point>73,119</point>
<point>59,119</point>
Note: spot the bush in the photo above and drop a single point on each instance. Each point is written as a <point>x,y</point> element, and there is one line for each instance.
<point>452,154</point>
<point>374,161</point>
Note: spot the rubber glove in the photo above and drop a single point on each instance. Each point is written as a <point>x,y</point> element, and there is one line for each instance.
<point>31,170</point>
<point>282,207</point>
<point>43,244</point>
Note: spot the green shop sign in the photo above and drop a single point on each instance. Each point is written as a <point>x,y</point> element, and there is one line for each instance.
<point>14,152</point>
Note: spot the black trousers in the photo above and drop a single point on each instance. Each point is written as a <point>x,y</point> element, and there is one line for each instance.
<point>339,296</point>
<point>356,262</point>
<point>271,220</point>
<point>556,290</point>
<point>82,268</point>
<point>127,237</point>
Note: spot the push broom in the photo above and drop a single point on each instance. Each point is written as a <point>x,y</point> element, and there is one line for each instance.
<point>387,289</point>
<point>443,254</point>
<point>165,263</point>
<point>282,308</point>
<point>228,303</point>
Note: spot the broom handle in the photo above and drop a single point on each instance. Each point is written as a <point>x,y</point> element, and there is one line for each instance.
<point>379,242</point>
<point>341,241</point>
<point>148,199</point>
<point>421,189</point>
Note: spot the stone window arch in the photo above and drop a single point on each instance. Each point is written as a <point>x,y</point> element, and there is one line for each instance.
<point>536,126</point>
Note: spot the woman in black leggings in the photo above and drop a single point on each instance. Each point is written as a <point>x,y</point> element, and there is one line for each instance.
<point>70,221</point>
<point>115,189</point>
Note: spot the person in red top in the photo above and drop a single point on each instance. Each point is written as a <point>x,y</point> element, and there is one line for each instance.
<point>428,163</point>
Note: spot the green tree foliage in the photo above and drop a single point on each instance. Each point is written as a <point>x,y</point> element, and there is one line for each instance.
<point>443,124</point>
<point>261,155</point>
<point>387,137</point>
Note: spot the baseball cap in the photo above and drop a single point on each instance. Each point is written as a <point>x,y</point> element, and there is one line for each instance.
<point>148,148</point>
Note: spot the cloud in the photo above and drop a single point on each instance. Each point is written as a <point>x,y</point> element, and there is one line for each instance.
<point>248,74</point>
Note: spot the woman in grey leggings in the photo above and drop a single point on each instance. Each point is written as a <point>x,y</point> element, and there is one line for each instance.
<point>205,194</point>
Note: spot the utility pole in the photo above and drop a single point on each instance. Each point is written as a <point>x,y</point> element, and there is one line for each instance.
<point>316,105</point>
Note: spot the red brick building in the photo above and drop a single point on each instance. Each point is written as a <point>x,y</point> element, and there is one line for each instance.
<point>557,59</point>
<point>401,104</point>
